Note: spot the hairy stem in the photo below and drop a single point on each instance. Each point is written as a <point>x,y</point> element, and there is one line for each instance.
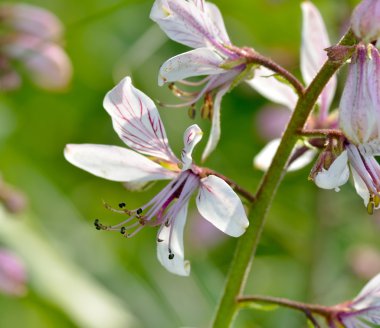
<point>321,133</point>
<point>324,311</point>
<point>247,244</point>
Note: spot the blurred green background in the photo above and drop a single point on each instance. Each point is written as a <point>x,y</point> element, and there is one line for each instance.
<point>317,246</point>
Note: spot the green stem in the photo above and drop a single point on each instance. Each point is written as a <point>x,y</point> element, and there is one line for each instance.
<point>247,244</point>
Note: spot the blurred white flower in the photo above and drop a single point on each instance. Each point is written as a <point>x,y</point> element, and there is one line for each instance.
<point>314,40</point>
<point>31,37</point>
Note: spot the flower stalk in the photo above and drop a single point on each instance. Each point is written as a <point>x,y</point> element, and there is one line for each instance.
<point>247,244</point>
<point>253,57</point>
<point>308,309</point>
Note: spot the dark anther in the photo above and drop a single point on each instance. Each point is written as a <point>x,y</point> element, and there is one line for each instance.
<point>97,224</point>
<point>159,240</point>
<point>122,230</point>
<point>171,256</point>
<point>139,211</point>
<point>122,205</point>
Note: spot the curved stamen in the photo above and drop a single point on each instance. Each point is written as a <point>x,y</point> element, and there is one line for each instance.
<point>194,83</point>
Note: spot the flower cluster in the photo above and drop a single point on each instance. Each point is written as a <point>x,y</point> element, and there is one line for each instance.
<point>348,139</point>
<point>31,36</point>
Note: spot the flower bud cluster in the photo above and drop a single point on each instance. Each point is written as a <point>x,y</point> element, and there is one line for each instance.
<point>31,36</point>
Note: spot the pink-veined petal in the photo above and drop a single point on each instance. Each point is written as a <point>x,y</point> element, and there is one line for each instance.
<point>352,321</point>
<point>115,163</point>
<point>336,175</point>
<point>271,88</point>
<point>369,295</point>
<point>220,205</point>
<point>177,265</point>
<point>201,61</point>
<point>136,120</point>
<point>359,107</point>
<point>185,22</point>
<point>264,158</point>
<point>191,138</point>
<point>214,137</point>
<point>314,40</point>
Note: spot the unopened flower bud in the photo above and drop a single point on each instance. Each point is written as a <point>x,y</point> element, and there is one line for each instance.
<point>12,274</point>
<point>365,21</point>
<point>360,102</point>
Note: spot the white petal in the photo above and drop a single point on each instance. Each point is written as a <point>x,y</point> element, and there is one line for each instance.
<point>136,120</point>
<point>115,163</point>
<point>185,22</point>
<point>369,295</point>
<point>360,187</point>
<point>191,138</point>
<point>216,16</point>
<point>201,61</point>
<point>215,123</point>
<point>302,161</point>
<point>271,88</point>
<point>314,40</point>
<point>177,265</point>
<point>336,175</point>
<point>220,205</point>
<point>264,158</point>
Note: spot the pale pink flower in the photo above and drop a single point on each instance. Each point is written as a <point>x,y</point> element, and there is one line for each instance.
<point>12,274</point>
<point>136,120</point>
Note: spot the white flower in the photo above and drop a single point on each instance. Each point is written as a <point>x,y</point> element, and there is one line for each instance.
<point>314,40</point>
<point>137,122</point>
<point>199,24</point>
